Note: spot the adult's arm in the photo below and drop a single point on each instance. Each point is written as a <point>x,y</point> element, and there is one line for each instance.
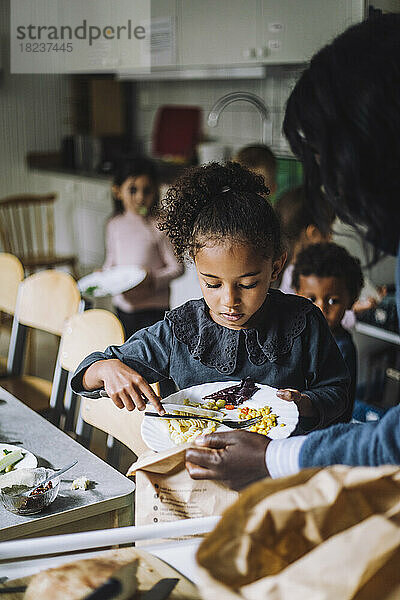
<point>365,444</point>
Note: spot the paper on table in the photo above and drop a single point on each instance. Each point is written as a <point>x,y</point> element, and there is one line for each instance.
<point>166,492</point>
<point>329,533</point>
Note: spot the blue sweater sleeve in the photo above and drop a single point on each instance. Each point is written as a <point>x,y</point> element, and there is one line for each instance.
<point>356,444</point>
<point>147,351</point>
<point>327,375</point>
<point>366,444</point>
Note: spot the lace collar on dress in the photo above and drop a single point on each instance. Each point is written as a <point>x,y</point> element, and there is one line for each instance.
<point>283,318</point>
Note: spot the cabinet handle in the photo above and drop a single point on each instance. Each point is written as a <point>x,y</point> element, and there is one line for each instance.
<point>261,52</point>
<point>249,53</point>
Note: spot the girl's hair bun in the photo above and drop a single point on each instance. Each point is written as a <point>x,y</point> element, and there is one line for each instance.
<point>215,202</point>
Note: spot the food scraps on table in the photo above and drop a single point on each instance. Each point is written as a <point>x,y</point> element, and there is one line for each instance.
<point>235,394</point>
<point>81,483</point>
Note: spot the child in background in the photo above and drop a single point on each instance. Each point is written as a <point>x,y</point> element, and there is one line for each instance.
<point>332,279</point>
<point>132,238</point>
<point>300,228</point>
<point>218,217</point>
<point>261,160</point>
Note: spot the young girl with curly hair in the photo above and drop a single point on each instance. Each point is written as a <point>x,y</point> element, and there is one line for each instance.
<point>132,238</point>
<point>217,217</point>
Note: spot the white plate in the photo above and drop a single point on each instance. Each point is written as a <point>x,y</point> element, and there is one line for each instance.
<point>28,462</point>
<point>112,281</point>
<point>155,431</point>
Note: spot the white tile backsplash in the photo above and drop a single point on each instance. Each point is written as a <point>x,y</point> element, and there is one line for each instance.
<point>240,123</point>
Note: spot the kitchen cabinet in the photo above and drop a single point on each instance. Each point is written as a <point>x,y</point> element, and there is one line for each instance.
<point>80,214</point>
<point>231,32</point>
<point>163,33</point>
<point>217,33</point>
<point>68,195</point>
<point>293,31</point>
<point>90,218</point>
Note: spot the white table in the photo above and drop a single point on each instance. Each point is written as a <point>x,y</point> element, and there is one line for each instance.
<point>378,333</point>
<point>108,504</point>
<point>180,555</point>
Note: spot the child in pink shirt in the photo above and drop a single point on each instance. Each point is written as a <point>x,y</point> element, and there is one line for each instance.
<point>132,238</point>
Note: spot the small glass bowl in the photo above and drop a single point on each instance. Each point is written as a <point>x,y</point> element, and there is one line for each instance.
<point>30,505</point>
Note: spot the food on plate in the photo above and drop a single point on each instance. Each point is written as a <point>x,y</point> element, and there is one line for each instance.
<point>91,290</point>
<point>211,405</point>
<point>267,422</point>
<point>9,459</point>
<point>189,429</point>
<point>80,483</point>
<point>235,394</point>
<point>78,579</point>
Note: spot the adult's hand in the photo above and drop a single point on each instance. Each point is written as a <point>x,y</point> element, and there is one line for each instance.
<point>236,458</point>
<point>126,387</point>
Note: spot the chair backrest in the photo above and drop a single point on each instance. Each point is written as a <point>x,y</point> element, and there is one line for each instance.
<point>27,225</point>
<point>91,331</point>
<point>121,424</point>
<point>87,332</point>
<point>46,300</point>
<point>11,275</point>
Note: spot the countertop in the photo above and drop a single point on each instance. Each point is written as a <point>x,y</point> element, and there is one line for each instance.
<point>54,449</point>
<point>167,172</point>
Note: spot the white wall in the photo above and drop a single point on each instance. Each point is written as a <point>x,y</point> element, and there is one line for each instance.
<point>240,123</point>
<point>33,115</point>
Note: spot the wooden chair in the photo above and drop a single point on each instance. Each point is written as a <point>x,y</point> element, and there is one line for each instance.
<point>84,333</point>
<point>90,331</point>
<point>11,275</point>
<point>45,301</point>
<point>27,230</point>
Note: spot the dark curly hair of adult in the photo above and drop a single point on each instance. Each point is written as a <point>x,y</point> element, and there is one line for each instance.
<point>343,121</point>
<point>213,203</point>
<point>329,260</point>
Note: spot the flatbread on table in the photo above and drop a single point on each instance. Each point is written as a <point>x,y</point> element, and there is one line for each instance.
<point>75,580</point>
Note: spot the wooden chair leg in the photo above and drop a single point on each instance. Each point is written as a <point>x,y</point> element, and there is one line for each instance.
<point>113,455</point>
<point>83,431</point>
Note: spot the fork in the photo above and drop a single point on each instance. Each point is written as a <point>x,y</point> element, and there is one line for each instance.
<point>227,422</point>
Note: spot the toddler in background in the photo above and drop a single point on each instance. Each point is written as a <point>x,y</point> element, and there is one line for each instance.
<point>331,278</point>
<point>132,238</point>
<point>218,217</point>
<point>300,228</point>
<point>260,160</point>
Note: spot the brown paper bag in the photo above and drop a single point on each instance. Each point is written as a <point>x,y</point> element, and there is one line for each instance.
<point>329,534</point>
<point>166,492</point>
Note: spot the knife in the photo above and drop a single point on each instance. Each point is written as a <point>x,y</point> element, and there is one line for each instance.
<point>161,590</point>
<point>113,589</point>
<point>121,586</point>
<point>193,410</point>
